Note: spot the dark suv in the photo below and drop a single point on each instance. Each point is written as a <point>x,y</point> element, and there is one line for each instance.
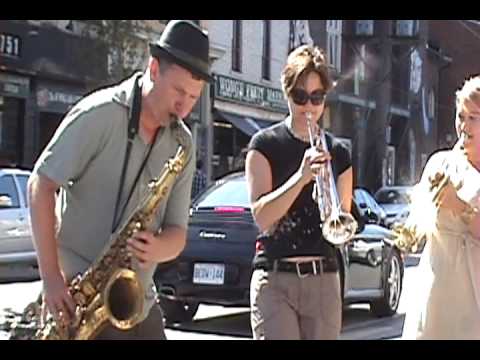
<point>216,265</point>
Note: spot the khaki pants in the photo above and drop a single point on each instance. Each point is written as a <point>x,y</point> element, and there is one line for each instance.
<point>150,329</point>
<point>285,306</point>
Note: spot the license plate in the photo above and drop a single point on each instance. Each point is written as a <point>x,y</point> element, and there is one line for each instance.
<point>212,274</point>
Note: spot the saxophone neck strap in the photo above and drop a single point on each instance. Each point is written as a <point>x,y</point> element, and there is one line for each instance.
<point>133,125</point>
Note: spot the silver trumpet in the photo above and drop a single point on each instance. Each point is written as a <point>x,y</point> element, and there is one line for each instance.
<point>338,227</point>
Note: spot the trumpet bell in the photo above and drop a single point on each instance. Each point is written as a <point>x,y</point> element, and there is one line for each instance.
<point>339,230</point>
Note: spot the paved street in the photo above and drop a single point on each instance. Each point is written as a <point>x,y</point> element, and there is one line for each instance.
<point>217,323</point>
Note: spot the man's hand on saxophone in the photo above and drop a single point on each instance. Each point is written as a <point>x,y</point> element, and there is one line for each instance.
<point>42,192</point>
<point>150,248</point>
<point>144,246</point>
<point>58,299</point>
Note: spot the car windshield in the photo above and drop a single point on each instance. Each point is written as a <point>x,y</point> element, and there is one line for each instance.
<point>390,196</point>
<point>232,192</point>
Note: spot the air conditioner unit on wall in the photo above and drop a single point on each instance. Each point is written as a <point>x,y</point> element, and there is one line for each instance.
<point>364,28</point>
<point>406,28</point>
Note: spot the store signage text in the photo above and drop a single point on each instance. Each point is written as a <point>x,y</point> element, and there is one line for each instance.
<point>240,91</point>
<point>46,96</point>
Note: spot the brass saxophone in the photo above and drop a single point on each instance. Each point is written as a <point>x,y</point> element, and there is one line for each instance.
<point>409,236</point>
<point>112,276</point>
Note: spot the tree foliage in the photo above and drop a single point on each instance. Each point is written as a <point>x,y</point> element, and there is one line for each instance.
<point>126,42</point>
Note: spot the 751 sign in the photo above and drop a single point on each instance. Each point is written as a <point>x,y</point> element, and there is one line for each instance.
<point>10,45</point>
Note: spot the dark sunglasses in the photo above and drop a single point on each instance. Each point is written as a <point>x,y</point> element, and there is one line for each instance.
<point>301,97</point>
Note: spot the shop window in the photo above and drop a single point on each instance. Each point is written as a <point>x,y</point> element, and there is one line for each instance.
<point>11,131</point>
<point>48,124</point>
<point>229,149</point>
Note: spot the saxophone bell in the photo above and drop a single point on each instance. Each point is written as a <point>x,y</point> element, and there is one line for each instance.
<point>124,284</point>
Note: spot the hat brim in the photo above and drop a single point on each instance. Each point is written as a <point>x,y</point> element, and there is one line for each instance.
<point>159,51</point>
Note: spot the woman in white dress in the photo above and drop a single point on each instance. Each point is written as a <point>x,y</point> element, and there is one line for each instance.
<point>448,293</point>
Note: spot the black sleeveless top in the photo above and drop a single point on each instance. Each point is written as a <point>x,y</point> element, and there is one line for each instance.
<point>298,233</point>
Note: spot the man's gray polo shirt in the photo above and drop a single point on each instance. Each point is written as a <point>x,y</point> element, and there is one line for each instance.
<point>85,157</point>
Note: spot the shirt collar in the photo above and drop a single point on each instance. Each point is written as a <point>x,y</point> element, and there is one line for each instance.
<point>123,93</point>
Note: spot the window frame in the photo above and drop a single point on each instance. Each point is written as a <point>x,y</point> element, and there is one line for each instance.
<point>237,45</point>
<point>334,43</point>
<point>267,50</point>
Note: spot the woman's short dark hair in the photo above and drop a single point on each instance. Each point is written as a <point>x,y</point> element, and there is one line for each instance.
<point>303,60</point>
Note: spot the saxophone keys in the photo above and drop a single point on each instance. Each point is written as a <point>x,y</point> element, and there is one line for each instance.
<point>108,260</point>
<point>80,298</point>
<point>88,289</point>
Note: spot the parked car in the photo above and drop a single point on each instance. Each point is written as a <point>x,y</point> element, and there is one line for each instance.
<point>394,200</point>
<point>216,265</point>
<point>18,260</point>
<point>368,206</point>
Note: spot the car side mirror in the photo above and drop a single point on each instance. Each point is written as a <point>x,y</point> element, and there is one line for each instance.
<point>362,206</point>
<point>358,217</point>
<point>360,224</point>
<point>371,217</point>
<point>5,201</point>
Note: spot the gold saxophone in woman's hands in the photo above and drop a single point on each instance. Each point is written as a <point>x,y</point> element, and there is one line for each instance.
<point>409,236</point>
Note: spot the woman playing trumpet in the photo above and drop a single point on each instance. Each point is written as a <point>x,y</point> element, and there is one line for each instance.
<point>448,296</point>
<point>295,288</point>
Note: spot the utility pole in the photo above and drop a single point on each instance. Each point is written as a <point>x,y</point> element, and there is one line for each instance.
<point>207,127</point>
<point>377,143</point>
<point>206,103</point>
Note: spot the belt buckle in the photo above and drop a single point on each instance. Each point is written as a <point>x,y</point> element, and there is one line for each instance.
<point>320,263</point>
<point>314,267</point>
<point>299,273</point>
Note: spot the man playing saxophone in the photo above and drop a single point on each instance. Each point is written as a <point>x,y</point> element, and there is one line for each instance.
<point>101,173</point>
<point>446,210</point>
<point>295,288</point>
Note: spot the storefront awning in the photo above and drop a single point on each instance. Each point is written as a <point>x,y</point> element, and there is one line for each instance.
<point>247,125</point>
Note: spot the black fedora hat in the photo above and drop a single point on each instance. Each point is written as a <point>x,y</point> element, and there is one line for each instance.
<point>187,45</point>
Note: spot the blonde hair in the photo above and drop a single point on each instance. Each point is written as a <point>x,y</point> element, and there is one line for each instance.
<point>304,60</point>
<point>469,93</point>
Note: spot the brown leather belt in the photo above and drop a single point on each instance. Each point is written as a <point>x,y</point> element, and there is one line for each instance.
<point>302,269</point>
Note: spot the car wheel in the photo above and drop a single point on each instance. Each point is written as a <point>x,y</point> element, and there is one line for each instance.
<point>177,311</point>
<point>392,288</point>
